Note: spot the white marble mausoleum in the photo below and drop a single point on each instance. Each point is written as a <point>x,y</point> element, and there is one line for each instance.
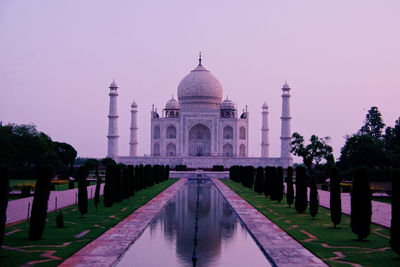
<point>199,129</point>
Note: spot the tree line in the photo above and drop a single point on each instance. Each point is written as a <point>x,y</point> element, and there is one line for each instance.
<point>23,147</point>
<point>372,146</point>
<point>269,181</point>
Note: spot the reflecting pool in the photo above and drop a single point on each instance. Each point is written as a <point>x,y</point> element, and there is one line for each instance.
<point>169,238</point>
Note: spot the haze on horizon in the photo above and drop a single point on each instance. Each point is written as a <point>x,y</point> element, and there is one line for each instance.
<point>59,57</point>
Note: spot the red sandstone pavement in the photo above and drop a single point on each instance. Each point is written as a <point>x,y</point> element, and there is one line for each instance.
<point>106,249</point>
<point>17,210</point>
<point>281,248</point>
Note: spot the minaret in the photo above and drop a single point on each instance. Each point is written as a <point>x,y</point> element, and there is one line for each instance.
<point>113,123</point>
<point>285,120</point>
<point>265,132</point>
<point>133,144</point>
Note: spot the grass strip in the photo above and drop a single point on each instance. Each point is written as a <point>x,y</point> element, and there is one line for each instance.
<point>57,244</point>
<point>336,247</point>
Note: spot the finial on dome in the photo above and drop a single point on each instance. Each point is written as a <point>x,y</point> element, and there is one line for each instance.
<point>199,58</point>
<point>113,84</point>
<point>286,85</point>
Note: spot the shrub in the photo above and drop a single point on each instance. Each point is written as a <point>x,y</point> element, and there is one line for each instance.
<point>131,179</point>
<point>289,186</point>
<point>97,192</point>
<point>117,193</point>
<point>335,198</point>
<point>314,201</point>
<point>109,186</point>
<point>167,172</point>
<point>26,190</point>
<point>181,168</point>
<point>40,200</point>
<point>267,184</point>
<point>300,203</point>
<point>279,185</point>
<point>259,183</point>
<point>361,210</point>
<point>273,184</point>
<point>4,187</point>
<point>60,220</point>
<point>218,168</point>
<point>82,191</point>
<point>71,184</point>
<point>395,228</point>
<point>125,183</point>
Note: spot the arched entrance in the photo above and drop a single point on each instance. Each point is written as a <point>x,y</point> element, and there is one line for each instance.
<point>199,141</point>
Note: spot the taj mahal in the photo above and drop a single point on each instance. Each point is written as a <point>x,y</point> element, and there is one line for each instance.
<point>199,129</point>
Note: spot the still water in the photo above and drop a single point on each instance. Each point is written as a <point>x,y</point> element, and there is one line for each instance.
<point>169,239</point>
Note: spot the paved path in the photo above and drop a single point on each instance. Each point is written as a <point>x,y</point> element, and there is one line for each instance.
<point>107,248</point>
<point>17,210</point>
<point>381,212</point>
<point>281,248</point>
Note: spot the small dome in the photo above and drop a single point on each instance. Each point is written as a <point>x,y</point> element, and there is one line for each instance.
<point>228,104</point>
<point>265,106</point>
<point>172,104</point>
<point>200,89</point>
<point>134,105</point>
<point>113,84</point>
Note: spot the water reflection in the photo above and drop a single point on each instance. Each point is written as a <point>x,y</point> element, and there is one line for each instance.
<point>168,241</point>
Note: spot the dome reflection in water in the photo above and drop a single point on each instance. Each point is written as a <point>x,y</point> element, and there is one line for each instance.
<point>168,240</point>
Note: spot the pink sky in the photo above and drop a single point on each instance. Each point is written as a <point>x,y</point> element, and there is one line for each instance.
<point>57,59</point>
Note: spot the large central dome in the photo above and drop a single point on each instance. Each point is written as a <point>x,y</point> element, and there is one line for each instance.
<point>199,90</point>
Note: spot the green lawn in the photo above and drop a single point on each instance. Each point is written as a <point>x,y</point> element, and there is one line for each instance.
<point>337,247</point>
<point>58,244</point>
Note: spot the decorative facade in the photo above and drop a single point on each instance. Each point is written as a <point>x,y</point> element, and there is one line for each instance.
<point>199,129</point>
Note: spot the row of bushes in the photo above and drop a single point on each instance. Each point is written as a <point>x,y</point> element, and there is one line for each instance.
<point>269,181</point>
<point>122,181</point>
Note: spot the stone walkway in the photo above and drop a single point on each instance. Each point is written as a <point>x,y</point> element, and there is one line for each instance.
<point>381,212</point>
<point>281,248</point>
<point>106,249</point>
<point>17,210</point>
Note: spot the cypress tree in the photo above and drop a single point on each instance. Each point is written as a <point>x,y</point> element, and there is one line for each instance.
<point>109,186</point>
<point>163,173</point>
<point>267,183</point>
<point>131,176</point>
<point>125,183</point>
<point>147,178</point>
<point>279,187</point>
<point>249,176</point>
<point>82,191</point>
<point>117,184</point>
<point>4,187</point>
<point>141,177</point>
<point>136,178</point>
<point>97,192</point>
<point>167,172</point>
<point>300,203</point>
<point>259,183</point>
<point>335,198</point>
<point>40,200</point>
<point>361,209</point>
<point>314,200</point>
<point>289,186</point>
<point>274,184</point>
<point>395,228</point>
